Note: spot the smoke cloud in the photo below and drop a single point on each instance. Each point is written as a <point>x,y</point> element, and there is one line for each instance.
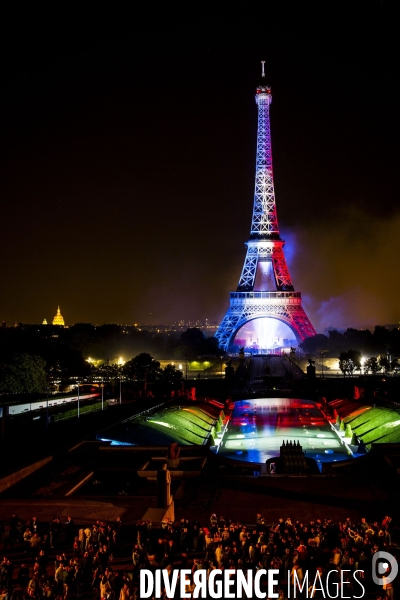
<point>348,269</point>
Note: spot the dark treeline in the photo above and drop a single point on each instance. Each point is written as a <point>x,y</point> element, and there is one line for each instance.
<point>66,350</point>
<point>381,341</point>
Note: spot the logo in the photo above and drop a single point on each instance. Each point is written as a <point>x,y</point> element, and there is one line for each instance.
<point>384,568</point>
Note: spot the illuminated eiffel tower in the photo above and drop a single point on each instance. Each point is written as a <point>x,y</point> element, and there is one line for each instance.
<point>265,288</point>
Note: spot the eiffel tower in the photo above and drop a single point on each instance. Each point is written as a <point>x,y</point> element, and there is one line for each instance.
<point>265,288</point>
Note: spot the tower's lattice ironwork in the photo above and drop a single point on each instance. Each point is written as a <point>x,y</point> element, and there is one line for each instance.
<point>265,288</point>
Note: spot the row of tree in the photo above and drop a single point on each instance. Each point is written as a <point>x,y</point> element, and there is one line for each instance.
<point>27,374</point>
<point>141,369</point>
<point>65,350</point>
<point>377,343</point>
<point>23,374</point>
<point>352,361</point>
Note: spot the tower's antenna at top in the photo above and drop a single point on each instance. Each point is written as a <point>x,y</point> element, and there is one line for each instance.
<point>262,68</point>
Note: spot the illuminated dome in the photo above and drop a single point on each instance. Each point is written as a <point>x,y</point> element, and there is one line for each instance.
<point>44,322</point>
<point>58,319</point>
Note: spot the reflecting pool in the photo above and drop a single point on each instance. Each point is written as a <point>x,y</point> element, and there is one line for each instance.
<point>258,428</point>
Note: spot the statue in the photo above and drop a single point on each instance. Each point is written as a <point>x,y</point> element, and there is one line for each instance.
<point>163,487</point>
<point>173,459</point>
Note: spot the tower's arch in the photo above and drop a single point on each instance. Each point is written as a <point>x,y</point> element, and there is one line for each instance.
<point>246,306</point>
<point>264,333</point>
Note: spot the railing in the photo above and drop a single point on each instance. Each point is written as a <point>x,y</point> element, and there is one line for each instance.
<point>266,295</point>
<point>16,409</point>
<point>69,414</point>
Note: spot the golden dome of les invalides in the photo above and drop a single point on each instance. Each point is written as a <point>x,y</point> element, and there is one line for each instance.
<point>58,319</point>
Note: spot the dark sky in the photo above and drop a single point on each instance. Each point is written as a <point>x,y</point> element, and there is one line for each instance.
<point>128,156</point>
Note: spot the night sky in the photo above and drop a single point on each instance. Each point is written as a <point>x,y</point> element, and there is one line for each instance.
<point>128,157</point>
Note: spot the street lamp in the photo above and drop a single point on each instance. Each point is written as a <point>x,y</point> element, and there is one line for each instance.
<point>102,395</point>
<point>121,363</point>
<point>362,362</point>
<point>323,352</point>
<point>78,398</point>
<point>292,359</point>
<point>47,406</point>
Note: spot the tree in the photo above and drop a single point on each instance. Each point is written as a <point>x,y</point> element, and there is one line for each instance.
<point>170,376</point>
<point>142,367</point>
<point>107,372</point>
<point>192,337</point>
<point>336,340</point>
<point>192,343</point>
<point>385,364</point>
<point>349,362</point>
<point>358,338</point>
<point>211,347</point>
<point>372,365</point>
<point>314,344</point>
<point>25,374</point>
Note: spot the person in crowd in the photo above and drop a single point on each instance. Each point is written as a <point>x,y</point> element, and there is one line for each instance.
<point>82,562</point>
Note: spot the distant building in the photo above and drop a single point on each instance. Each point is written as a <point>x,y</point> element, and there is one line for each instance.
<point>58,319</point>
<point>45,321</point>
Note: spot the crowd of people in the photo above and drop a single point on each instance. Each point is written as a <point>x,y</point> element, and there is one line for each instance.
<point>60,560</point>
